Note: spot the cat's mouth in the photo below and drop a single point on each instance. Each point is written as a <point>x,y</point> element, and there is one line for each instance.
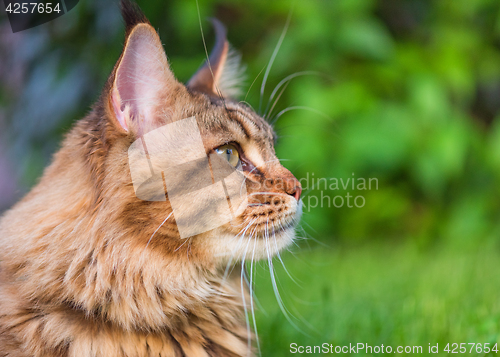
<point>274,231</point>
<point>268,218</point>
<point>259,232</point>
<point>271,229</point>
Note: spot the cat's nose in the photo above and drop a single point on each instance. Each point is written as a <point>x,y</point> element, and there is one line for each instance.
<point>294,188</point>
<point>287,182</point>
<point>298,192</point>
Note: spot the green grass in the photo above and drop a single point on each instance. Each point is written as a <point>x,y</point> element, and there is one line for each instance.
<point>382,294</point>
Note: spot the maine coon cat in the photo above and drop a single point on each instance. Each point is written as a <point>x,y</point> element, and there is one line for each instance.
<point>87,268</point>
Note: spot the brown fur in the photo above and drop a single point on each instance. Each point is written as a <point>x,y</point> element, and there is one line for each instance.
<point>87,269</point>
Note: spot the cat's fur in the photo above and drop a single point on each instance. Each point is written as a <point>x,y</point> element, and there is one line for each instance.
<point>88,269</point>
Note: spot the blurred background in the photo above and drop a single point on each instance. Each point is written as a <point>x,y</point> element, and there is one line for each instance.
<point>403,92</point>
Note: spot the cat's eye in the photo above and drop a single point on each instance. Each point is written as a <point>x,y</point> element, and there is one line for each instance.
<point>230,153</point>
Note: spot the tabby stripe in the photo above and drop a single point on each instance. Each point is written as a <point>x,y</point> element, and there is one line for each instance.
<point>243,120</point>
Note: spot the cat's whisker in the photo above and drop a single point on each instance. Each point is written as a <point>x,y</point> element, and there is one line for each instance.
<point>311,237</point>
<point>244,102</point>
<point>203,39</point>
<point>252,308</point>
<point>286,81</point>
<point>281,305</point>
<point>242,235</point>
<point>219,93</point>
<point>247,319</point>
<point>236,225</point>
<point>315,111</point>
<point>297,313</point>
<point>268,114</point>
<point>279,255</point>
<point>250,284</point>
<point>251,85</point>
<point>152,235</point>
<point>273,57</point>
<point>179,247</point>
<point>189,248</point>
<point>231,259</point>
<point>267,193</point>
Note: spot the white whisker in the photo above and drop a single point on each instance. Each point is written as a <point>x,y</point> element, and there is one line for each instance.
<point>157,229</point>
<point>206,51</point>
<point>268,114</point>
<point>251,85</point>
<point>281,305</point>
<point>247,319</point>
<point>285,81</point>
<point>273,57</point>
<point>281,260</point>
<point>319,112</point>
<point>252,308</point>
<point>242,235</point>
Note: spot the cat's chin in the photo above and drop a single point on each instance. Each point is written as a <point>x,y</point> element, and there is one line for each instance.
<point>228,248</point>
<point>264,244</point>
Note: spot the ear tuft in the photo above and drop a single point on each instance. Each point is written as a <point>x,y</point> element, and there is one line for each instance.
<point>132,15</point>
<point>233,75</point>
<point>223,73</point>
<point>207,78</point>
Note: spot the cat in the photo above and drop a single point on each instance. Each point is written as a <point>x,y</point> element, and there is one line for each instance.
<point>88,268</point>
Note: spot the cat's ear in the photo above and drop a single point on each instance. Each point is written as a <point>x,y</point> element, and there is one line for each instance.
<point>222,74</point>
<point>142,78</point>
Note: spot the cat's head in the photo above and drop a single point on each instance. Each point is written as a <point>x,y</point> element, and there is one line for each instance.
<point>193,150</point>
